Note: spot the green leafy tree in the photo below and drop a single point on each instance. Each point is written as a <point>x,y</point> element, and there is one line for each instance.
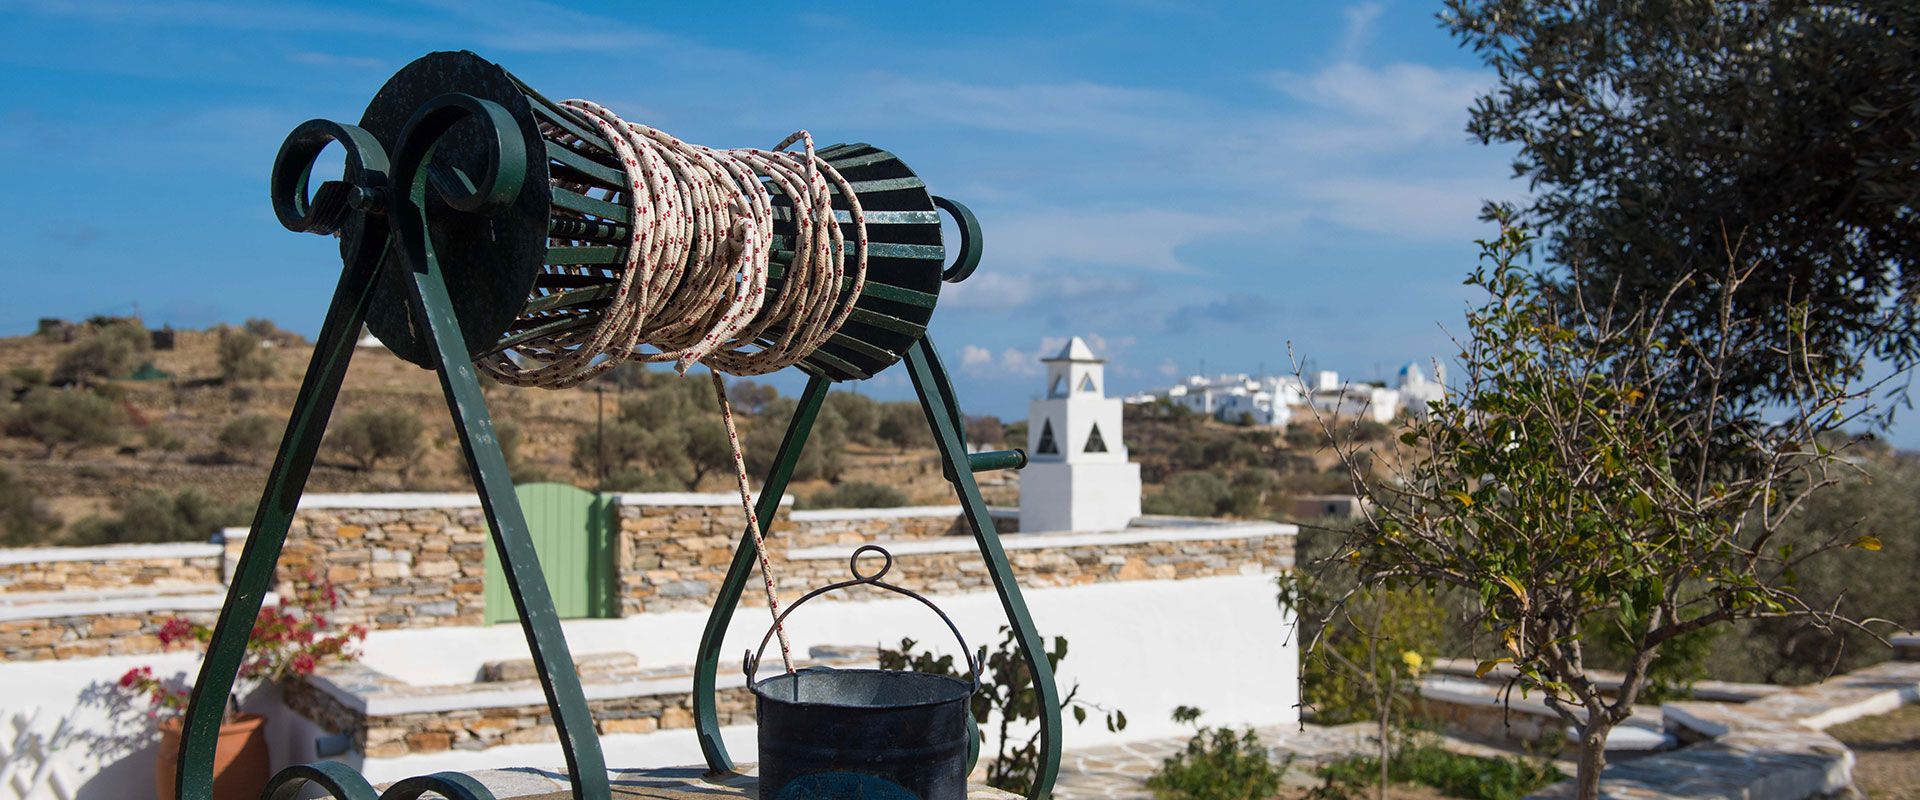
<point>708,450</point>
<point>859,415</point>
<point>903,425</point>
<point>72,418</point>
<point>1566,483</point>
<point>376,434</point>
<point>984,430</point>
<point>1651,133</point>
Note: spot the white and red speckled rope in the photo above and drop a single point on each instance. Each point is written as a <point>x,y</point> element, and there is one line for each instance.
<point>694,287</point>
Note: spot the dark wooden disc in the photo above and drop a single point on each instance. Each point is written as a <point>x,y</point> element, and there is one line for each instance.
<point>490,262</point>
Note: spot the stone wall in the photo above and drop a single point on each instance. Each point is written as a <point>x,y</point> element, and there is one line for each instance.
<point>425,566</point>
<point>63,569</point>
<point>399,567</point>
<point>78,602</point>
<point>392,735</point>
<point>84,635</point>
<point>675,558</point>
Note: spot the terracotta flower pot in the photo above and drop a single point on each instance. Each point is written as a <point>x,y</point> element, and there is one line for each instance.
<point>240,763</point>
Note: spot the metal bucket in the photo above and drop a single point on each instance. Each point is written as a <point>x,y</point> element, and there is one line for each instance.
<point>864,734</point>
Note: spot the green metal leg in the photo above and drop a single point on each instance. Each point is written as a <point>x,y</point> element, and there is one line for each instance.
<point>706,714</point>
<point>943,412</point>
<point>253,575</point>
<point>585,764</point>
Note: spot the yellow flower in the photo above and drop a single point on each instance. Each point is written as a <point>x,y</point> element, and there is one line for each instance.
<point>1413,661</point>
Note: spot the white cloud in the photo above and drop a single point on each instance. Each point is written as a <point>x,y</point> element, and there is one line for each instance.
<point>1011,363</point>
<point>1359,26</point>
<point>1384,108</point>
<point>1015,362</point>
<point>1438,209</point>
<point>1170,368</point>
<point>971,355</point>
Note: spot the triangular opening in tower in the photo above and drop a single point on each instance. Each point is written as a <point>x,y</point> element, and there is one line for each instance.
<point>1046,439</point>
<point>1086,384</point>
<point>1095,444</point>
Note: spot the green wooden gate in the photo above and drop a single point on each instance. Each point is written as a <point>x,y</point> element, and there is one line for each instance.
<point>573,535</point>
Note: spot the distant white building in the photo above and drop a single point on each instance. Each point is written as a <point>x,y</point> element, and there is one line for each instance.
<point>1416,391</point>
<point>1077,476</point>
<point>1274,401</point>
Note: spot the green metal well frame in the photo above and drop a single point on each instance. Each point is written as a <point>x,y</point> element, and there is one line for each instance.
<point>388,245</point>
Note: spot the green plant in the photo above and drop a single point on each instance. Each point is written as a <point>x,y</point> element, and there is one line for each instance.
<point>246,435</point>
<point>1649,133</point>
<point>1592,469</point>
<point>374,434</point>
<point>243,356</point>
<point>108,352</point>
<point>70,417</point>
<point>857,494</point>
<point>24,519</point>
<point>1454,774</point>
<point>161,437</point>
<point>154,516</point>
<point>1217,764</point>
<point>1006,695</point>
<point>903,425</point>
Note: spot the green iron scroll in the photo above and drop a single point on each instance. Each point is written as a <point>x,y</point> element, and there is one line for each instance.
<point>474,235</point>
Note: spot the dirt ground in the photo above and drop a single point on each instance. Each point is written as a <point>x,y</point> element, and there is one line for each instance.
<point>1888,749</point>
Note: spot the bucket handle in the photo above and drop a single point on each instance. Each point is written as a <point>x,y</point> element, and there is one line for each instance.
<point>751,664</point>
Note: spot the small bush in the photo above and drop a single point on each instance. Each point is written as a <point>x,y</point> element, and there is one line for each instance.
<point>1217,764</point>
<point>1191,494</point>
<point>247,435</point>
<point>24,518</point>
<point>858,494</point>
<point>109,353</point>
<point>1306,434</point>
<point>641,480</point>
<point>1370,431</point>
<point>161,437</point>
<point>29,377</point>
<point>1455,775</point>
<point>69,417</point>
<point>153,516</point>
<point>243,357</point>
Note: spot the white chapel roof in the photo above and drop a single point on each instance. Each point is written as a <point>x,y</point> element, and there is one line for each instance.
<point>1076,350</point>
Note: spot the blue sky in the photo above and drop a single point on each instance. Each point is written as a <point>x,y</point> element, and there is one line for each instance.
<point>1176,181</point>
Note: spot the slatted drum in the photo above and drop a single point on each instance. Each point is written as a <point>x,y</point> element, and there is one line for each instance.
<point>550,262</point>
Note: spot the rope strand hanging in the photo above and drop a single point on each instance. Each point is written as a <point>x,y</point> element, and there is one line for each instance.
<point>695,283</point>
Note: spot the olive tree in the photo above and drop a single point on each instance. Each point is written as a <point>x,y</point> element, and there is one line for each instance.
<point>1588,470</point>
<point>1650,133</point>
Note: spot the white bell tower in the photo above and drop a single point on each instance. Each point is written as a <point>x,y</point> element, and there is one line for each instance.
<point>1077,476</point>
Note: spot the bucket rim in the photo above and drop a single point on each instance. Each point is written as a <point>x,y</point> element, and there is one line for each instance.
<point>968,693</point>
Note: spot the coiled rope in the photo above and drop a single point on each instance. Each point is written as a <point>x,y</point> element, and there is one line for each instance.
<point>695,284</point>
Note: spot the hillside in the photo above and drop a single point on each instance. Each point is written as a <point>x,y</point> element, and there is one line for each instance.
<point>172,439</point>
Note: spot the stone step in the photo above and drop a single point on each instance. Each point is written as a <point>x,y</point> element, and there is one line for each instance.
<point>588,664</point>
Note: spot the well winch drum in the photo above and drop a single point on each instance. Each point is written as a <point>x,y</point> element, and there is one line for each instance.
<point>548,262</point>
<point>864,733</point>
